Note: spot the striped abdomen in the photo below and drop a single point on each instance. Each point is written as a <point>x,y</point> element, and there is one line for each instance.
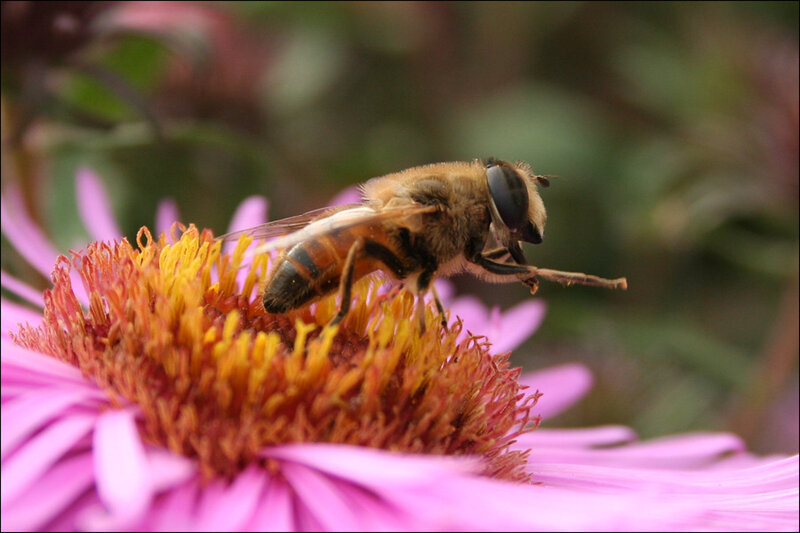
<point>313,268</point>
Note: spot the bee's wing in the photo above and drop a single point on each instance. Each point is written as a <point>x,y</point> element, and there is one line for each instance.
<point>343,218</point>
<point>283,226</point>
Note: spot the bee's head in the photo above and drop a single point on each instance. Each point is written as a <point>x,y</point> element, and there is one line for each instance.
<point>515,202</point>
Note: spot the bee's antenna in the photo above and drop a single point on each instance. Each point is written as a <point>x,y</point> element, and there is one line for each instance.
<point>544,180</point>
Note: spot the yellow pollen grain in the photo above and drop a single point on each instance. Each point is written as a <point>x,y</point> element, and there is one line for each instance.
<point>222,351</point>
<point>303,330</point>
<point>347,382</point>
<point>264,348</point>
<point>213,255</point>
<point>271,348</point>
<point>256,272</point>
<point>210,336</point>
<point>231,324</point>
<point>238,361</point>
<point>228,269</point>
<point>317,359</point>
<point>403,330</point>
<point>385,332</point>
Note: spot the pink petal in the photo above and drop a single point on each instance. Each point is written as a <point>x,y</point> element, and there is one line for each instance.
<point>94,206</point>
<point>25,467</point>
<point>778,475</point>
<point>276,511</point>
<point>29,240</point>
<point>121,465</point>
<point>575,438</point>
<point>350,195</point>
<point>21,289</point>
<point>14,314</point>
<point>49,495</point>
<point>375,513</point>
<point>252,211</point>
<point>505,330</point>
<point>477,504</point>
<point>369,466</point>
<point>682,451</point>
<point>34,363</point>
<point>229,508</point>
<point>775,511</point>
<point>167,469</point>
<point>472,313</point>
<point>321,496</point>
<point>166,213</point>
<point>305,519</point>
<point>175,510</point>
<point>515,325</point>
<point>445,290</point>
<point>17,382</point>
<point>561,386</point>
<point>759,498</point>
<point>27,413</point>
<point>24,234</point>
<point>619,457</point>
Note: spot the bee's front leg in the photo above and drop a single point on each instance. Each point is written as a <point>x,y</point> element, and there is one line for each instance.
<point>497,254</point>
<point>531,283</point>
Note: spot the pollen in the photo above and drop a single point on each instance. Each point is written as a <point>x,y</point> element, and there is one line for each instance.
<point>175,326</point>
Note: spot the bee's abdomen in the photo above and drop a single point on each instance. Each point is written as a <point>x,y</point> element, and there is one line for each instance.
<point>297,280</point>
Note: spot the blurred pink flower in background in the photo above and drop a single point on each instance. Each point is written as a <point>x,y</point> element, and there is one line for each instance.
<point>74,458</point>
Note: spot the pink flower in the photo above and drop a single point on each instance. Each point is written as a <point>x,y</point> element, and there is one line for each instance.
<point>79,453</point>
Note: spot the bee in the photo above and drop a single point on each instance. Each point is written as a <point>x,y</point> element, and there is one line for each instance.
<point>416,224</point>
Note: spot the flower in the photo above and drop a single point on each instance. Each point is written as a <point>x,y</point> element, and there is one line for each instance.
<point>130,403</point>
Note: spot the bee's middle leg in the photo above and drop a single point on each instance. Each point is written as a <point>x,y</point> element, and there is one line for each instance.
<point>346,281</point>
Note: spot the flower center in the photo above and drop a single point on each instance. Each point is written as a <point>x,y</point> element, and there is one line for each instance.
<point>176,327</point>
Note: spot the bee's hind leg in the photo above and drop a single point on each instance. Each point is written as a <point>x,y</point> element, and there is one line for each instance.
<point>346,281</point>
<point>420,312</point>
<point>439,306</point>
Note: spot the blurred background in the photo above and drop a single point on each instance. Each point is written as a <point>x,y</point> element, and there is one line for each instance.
<point>672,128</point>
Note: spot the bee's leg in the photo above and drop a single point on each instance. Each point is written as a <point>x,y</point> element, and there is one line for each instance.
<point>346,281</point>
<point>497,253</point>
<point>439,306</point>
<point>420,312</point>
<point>521,272</point>
<point>527,275</point>
<point>502,269</point>
<point>422,283</point>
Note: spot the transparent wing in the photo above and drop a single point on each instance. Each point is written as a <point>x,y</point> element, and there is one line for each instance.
<point>340,219</point>
<point>283,226</point>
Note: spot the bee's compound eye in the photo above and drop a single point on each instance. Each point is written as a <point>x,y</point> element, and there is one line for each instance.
<point>509,194</point>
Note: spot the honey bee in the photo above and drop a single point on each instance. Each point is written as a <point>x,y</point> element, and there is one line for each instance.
<point>416,224</point>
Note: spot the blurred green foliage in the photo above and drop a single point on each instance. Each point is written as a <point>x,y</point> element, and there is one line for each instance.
<point>672,128</point>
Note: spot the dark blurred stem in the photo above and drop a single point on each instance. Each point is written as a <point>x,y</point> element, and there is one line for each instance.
<point>120,87</point>
<point>19,163</point>
<point>777,362</point>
